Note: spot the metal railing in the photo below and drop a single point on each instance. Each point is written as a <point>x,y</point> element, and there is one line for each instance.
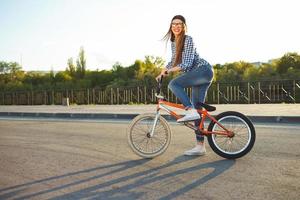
<point>280,91</point>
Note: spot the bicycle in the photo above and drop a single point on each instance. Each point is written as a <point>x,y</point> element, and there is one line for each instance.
<point>230,134</point>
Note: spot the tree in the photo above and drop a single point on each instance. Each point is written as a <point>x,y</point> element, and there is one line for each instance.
<point>99,78</point>
<point>268,71</point>
<point>236,71</point>
<point>62,76</point>
<point>251,74</point>
<point>11,72</point>
<point>151,66</point>
<point>140,73</point>
<point>37,80</point>
<point>71,68</point>
<point>119,72</point>
<point>289,60</point>
<point>81,64</point>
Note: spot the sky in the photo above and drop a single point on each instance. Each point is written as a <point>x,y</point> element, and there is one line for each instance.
<point>43,34</point>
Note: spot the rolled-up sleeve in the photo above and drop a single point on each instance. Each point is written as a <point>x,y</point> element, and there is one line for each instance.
<point>187,54</point>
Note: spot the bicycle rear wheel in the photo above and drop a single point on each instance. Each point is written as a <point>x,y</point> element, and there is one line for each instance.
<point>242,140</point>
<point>140,140</point>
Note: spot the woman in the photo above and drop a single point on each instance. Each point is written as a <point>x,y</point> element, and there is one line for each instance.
<point>196,73</point>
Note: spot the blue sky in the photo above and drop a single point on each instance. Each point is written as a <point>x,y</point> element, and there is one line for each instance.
<point>43,34</point>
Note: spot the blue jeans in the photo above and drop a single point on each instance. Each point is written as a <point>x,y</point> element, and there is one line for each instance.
<point>199,79</point>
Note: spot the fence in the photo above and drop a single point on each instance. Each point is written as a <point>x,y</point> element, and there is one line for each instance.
<point>287,91</point>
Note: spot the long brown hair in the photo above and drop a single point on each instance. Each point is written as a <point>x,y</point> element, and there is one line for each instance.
<point>179,42</point>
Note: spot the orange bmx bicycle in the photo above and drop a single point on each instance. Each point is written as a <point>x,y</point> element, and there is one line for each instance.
<point>230,134</point>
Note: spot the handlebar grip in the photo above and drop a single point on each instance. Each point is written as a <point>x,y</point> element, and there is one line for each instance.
<point>159,85</point>
<point>161,78</point>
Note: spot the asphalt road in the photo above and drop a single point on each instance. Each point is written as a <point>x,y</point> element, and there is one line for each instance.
<point>91,160</point>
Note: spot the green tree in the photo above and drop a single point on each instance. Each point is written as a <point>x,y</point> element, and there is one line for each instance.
<point>81,64</point>
<point>35,80</point>
<point>71,69</point>
<point>236,71</point>
<point>62,76</point>
<point>11,75</point>
<point>289,60</point>
<point>119,72</point>
<point>251,74</point>
<point>268,71</point>
<point>99,78</point>
<point>150,67</point>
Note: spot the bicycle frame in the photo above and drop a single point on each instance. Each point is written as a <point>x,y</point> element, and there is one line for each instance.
<point>204,113</point>
<point>162,105</point>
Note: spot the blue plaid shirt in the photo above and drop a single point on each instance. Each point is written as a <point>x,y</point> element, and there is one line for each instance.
<point>190,57</point>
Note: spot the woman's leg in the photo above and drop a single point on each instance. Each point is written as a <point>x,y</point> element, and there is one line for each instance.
<point>199,91</point>
<point>199,95</point>
<point>177,86</point>
<point>196,77</point>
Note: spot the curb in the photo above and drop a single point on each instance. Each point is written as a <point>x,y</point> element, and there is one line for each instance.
<point>112,116</point>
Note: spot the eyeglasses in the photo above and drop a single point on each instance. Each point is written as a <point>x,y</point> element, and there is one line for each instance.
<point>177,24</point>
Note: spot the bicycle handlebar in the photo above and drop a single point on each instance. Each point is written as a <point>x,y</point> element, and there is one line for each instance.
<point>159,85</point>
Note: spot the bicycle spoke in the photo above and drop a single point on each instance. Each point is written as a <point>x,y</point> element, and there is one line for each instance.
<point>158,141</point>
<point>222,143</point>
<point>241,135</point>
<point>141,129</point>
<point>140,137</point>
<point>140,144</point>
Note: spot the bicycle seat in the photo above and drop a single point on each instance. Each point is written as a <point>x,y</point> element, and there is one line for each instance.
<point>207,107</point>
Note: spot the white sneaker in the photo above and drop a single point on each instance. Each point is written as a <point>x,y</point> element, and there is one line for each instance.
<point>190,116</point>
<point>199,150</point>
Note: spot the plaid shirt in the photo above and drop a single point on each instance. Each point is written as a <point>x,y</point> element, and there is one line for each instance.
<point>190,57</point>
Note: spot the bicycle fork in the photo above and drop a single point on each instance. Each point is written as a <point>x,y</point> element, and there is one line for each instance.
<point>154,124</point>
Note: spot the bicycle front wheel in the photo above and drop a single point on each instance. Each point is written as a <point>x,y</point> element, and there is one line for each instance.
<point>140,139</point>
<point>237,145</point>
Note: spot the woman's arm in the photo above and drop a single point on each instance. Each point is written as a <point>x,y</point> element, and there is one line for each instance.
<point>174,69</point>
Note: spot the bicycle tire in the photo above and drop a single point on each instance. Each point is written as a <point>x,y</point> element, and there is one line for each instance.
<point>238,145</point>
<point>139,140</point>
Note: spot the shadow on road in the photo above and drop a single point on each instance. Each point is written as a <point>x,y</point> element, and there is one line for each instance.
<point>106,189</point>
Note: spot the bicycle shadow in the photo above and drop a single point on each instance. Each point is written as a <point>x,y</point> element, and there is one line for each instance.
<point>14,190</point>
<point>127,191</point>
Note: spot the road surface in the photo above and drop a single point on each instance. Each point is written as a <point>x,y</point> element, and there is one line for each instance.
<point>91,160</point>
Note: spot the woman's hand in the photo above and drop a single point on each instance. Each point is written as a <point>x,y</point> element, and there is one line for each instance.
<point>164,72</point>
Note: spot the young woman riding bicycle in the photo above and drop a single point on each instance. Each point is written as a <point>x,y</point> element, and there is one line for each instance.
<point>196,73</point>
